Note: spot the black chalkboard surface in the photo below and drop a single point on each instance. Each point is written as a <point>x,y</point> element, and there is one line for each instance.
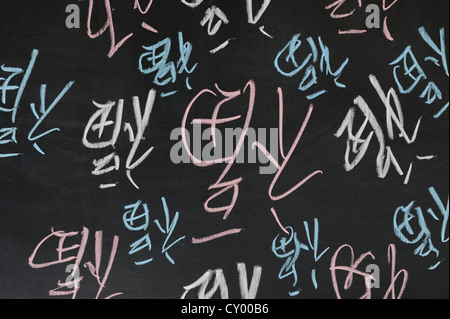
<point>217,149</point>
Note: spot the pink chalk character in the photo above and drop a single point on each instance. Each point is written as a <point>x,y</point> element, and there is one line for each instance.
<point>353,269</point>
<point>72,256</point>
<point>221,185</point>
<point>343,9</point>
<point>115,44</point>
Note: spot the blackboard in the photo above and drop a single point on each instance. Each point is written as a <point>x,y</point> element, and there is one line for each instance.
<point>224,149</point>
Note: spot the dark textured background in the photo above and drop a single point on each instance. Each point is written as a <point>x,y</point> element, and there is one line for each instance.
<point>57,190</point>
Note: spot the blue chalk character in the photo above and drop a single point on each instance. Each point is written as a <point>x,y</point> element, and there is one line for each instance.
<point>410,68</point>
<point>431,93</point>
<point>289,57</point>
<point>408,72</point>
<point>168,230</point>
<point>7,87</point>
<point>288,248</point>
<point>440,50</point>
<point>143,243</point>
<point>185,55</point>
<point>8,135</point>
<point>412,234</point>
<point>287,64</point>
<point>138,221</point>
<point>137,218</point>
<point>156,60</point>
<point>325,65</point>
<point>131,216</point>
<point>43,113</point>
<point>444,211</point>
<point>313,242</point>
<point>6,83</point>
